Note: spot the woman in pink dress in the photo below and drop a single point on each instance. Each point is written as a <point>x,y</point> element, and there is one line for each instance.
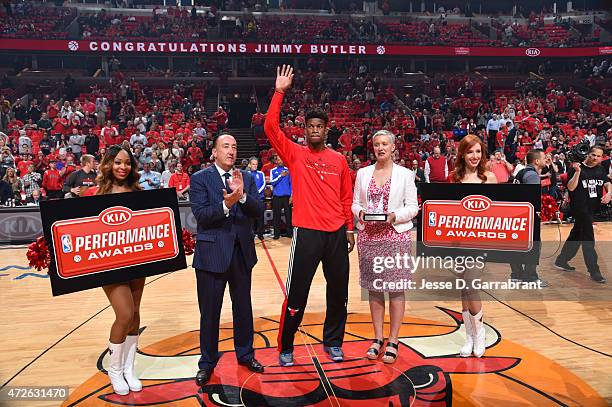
<point>384,188</point>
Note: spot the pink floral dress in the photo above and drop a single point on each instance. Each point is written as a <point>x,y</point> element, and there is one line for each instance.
<point>380,240</point>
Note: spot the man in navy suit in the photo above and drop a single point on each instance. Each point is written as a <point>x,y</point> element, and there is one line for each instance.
<point>224,202</point>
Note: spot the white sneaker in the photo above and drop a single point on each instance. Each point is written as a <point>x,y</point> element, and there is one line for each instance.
<point>115,369</point>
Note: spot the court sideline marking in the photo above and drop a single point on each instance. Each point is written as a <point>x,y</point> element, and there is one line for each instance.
<point>65,336</point>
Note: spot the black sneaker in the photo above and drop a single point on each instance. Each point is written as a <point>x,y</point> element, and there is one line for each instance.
<point>597,277</point>
<point>564,266</point>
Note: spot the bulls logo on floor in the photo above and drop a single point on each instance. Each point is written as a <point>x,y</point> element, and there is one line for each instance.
<point>428,372</point>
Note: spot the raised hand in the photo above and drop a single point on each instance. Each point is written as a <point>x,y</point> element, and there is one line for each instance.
<point>284,78</point>
<point>231,199</point>
<point>237,183</point>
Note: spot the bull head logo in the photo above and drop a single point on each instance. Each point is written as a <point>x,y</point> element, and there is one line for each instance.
<point>419,377</point>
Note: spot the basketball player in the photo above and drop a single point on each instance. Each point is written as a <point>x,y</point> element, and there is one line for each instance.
<point>322,220</point>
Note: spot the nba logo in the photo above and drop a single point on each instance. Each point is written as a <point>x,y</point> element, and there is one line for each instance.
<point>432,219</point>
<point>66,244</point>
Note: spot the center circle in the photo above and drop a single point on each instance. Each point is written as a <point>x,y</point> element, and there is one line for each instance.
<point>304,376</point>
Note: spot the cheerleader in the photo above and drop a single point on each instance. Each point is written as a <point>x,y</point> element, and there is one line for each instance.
<point>471,168</point>
<point>118,172</point>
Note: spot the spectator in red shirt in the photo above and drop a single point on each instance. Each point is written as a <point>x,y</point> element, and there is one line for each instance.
<point>153,135</point>
<point>130,130</point>
<point>414,155</point>
<point>346,142</point>
<point>267,167</point>
<point>195,155</point>
<point>89,107</point>
<point>68,168</point>
<point>257,122</point>
<point>436,167</point>
<point>52,109</point>
<point>23,163</point>
<point>220,117</point>
<point>60,126</point>
<point>53,182</point>
<point>180,181</point>
<point>500,167</point>
<point>41,162</point>
<point>164,136</point>
<point>109,134</point>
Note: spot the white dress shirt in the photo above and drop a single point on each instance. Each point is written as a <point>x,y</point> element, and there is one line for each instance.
<point>242,200</point>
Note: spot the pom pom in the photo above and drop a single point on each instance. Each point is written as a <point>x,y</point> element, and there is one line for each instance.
<point>188,242</point>
<point>38,254</point>
<point>549,208</point>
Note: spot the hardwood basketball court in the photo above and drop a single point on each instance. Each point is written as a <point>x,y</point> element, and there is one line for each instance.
<point>541,353</point>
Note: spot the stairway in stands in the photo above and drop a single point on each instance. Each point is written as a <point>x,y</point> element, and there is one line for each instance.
<point>211,104</point>
<point>247,147</point>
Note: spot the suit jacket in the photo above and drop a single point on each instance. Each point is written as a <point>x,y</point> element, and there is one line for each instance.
<point>217,233</point>
<point>423,122</point>
<point>419,173</point>
<point>402,197</point>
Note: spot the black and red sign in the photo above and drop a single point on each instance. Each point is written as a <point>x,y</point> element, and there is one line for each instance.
<point>477,222</point>
<point>496,220</point>
<point>253,48</point>
<point>112,238</point>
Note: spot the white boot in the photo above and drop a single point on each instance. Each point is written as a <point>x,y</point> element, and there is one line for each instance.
<point>115,369</point>
<point>479,334</point>
<point>129,354</point>
<point>466,350</point>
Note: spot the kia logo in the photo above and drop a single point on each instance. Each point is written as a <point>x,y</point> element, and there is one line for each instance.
<point>117,215</point>
<point>476,203</point>
<point>532,52</point>
<point>20,227</point>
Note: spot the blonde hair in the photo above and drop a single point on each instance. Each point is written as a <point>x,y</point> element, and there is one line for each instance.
<point>384,133</point>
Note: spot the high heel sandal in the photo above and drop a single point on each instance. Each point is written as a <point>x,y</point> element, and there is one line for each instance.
<point>391,351</point>
<point>374,349</point>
